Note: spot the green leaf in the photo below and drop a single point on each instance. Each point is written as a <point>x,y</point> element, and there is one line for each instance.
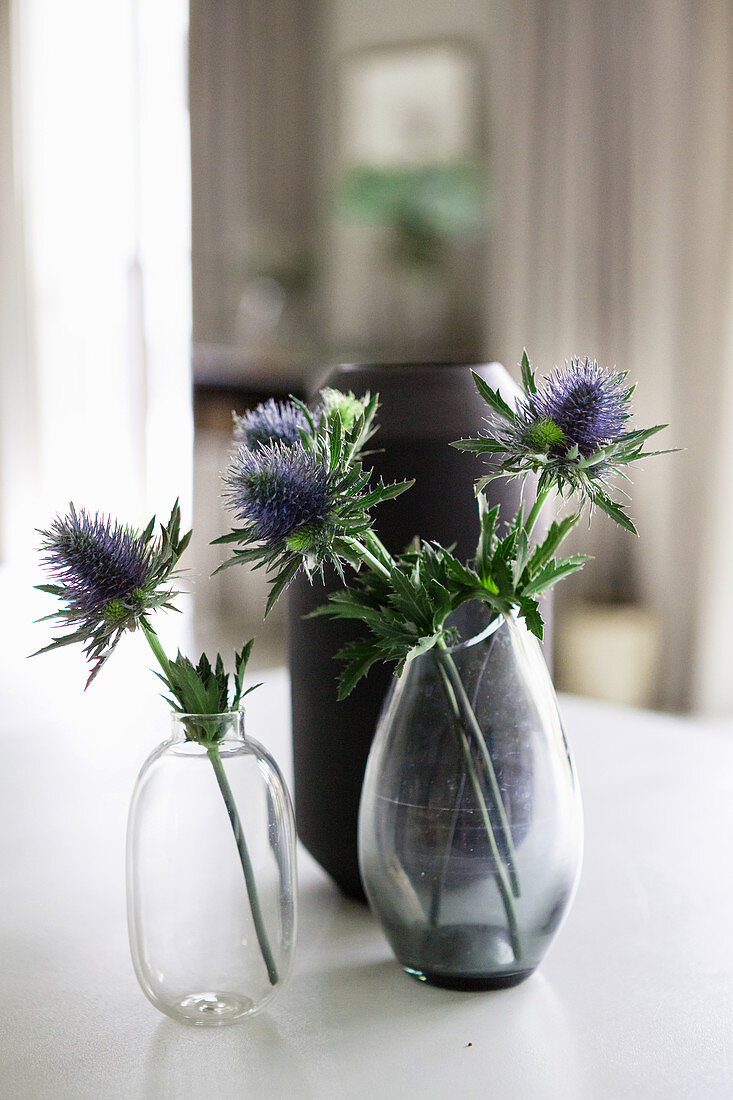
<point>385,492</point>
<point>614,510</point>
<point>488,518</point>
<point>501,576</point>
<point>184,542</point>
<point>282,580</point>
<point>424,645</point>
<point>493,398</point>
<point>335,440</point>
<point>148,532</point>
<point>527,375</point>
<point>68,639</point>
<point>305,411</point>
<point>521,555</point>
<point>362,655</point>
<point>555,535</point>
<point>530,612</point>
<point>481,445</point>
<point>235,535</point>
<point>552,572</point>
<point>639,435</point>
<point>240,666</point>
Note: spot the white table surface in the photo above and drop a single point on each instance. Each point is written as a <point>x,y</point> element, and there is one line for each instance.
<point>635,999</point>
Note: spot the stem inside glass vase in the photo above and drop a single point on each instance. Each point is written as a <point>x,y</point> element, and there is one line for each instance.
<point>249,876</point>
<point>204,729</point>
<point>468,731</point>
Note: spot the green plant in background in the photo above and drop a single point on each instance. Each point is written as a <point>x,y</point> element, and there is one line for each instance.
<point>424,207</point>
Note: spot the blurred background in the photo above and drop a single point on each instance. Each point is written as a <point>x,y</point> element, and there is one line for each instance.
<point>205,204</point>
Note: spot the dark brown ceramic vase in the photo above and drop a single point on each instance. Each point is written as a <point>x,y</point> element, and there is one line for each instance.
<point>423,408</point>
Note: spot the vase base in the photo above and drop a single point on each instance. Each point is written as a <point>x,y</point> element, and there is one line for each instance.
<point>209,1009</point>
<point>474,957</point>
<point>469,983</point>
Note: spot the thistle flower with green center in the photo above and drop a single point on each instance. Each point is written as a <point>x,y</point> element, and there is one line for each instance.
<point>107,577</point>
<point>307,504</point>
<point>571,430</point>
<point>279,490</point>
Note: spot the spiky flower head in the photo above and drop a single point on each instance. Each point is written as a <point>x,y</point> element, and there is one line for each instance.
<point>271,422</point>
<point>106,576</point>
<point>307,503</point>
<point>571,430</point>
<point>278,490</point>
<point>581,406</point>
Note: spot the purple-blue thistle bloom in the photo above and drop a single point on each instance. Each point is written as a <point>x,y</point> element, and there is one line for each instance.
<point>107,577</point>
<point>571,430</point>
<point>307,504</point>
<point>278,490</point>
<point>587,404</point>
<point>271,422</point>
<point>97,562</point>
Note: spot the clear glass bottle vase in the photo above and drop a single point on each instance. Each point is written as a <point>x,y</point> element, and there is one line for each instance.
<point>470,823</point>
<point>211,878</point>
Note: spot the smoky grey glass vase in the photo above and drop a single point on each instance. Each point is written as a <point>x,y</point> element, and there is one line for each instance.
<point>470,822</point>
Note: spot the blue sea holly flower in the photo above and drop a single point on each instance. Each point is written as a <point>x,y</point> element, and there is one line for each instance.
<point>581,406</point>
<point>571,430</point>
<point>106,577</point>
<point>308,503</point>
<point>271,422</point>
<point>278,490</point>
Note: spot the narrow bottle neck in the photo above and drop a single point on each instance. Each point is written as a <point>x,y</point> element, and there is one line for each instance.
<point>209,729</point>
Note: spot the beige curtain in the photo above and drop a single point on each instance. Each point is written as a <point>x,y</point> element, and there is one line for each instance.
<point>613,156</point>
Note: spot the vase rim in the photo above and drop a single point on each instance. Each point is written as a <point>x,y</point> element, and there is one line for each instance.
<point>181,715</point>
<point>475,639</point>
<point>233,719</point>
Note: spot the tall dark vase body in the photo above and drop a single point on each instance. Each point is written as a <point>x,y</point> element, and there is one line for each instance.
<point>423,408</point>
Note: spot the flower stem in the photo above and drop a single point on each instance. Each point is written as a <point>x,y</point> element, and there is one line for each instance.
<point>536,509</point>
<point>450,834</point>
<point>249,876</point>
<point>379,549</point>
<point>502,879</point>
<point>154,643</point>
<point>448,665</point>
<point>373,554</point>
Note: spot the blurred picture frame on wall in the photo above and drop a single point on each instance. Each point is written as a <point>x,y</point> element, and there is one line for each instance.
<point>412,205</point>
